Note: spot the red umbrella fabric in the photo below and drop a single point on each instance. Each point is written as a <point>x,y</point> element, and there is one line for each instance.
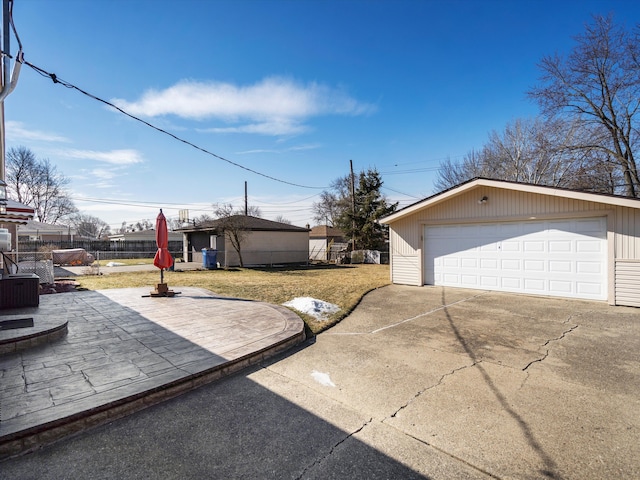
<point>163,258</point>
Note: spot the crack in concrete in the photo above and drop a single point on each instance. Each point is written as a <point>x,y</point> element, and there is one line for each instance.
<point>546,354</point>
<point>333,448</point>
<point>86,379</point>
<point>24,375</point>
<point>430,387</point>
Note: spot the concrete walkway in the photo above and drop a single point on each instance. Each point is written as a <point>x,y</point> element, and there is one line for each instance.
<point>95,356</point>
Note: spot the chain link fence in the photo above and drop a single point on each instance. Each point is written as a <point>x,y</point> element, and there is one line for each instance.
<point>40,263</point>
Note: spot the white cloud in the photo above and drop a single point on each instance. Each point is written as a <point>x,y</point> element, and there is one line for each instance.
<point>16,131</point>
<point>114,157</point>
<point>265,128</point>
<point>102,174</point>
<point>273,106</point>
<point>294,148</point>
<point>308,146</point>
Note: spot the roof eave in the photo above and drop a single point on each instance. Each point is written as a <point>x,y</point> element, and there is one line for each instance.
<point>522,187</point>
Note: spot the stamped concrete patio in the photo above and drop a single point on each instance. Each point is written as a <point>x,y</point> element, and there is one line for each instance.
<point>94,356</point>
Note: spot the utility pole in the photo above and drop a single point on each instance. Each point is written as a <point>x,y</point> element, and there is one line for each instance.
<point>9,82</point>
<point>353,208</point>
<point>246,203</point>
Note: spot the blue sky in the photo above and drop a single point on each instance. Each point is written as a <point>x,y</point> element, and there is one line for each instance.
<point>290,89</point>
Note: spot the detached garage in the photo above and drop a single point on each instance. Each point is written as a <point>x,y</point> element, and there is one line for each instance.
<point>522,238</point>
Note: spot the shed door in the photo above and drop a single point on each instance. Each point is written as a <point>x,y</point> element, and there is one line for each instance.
<point>566,258</point>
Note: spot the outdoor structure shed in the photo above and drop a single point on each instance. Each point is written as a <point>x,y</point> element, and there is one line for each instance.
<point>265,242</point>
<point>43,232</point>
<point>523,238</point>
<point>323,239</point>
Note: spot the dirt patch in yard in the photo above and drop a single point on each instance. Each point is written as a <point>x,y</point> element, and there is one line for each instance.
<point>60,286</point>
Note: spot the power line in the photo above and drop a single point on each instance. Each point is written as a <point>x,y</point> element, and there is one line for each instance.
<point>401,193</point>
<point>133,203</point>
<point>288,203</point>
<point>66,84</point>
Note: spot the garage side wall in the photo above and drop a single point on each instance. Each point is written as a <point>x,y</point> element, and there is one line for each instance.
<point>270,248</point>
<point>405,254</point>
<point>627,257</point>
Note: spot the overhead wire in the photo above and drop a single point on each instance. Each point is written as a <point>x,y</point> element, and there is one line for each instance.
<point>132,203</point>
<point>401,193</point>
<point>13,26</point>
<point>64,83</point>
<point>289,203</point>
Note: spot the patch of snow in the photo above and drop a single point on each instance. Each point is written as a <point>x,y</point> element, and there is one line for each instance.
<point>322,378</point>
<point>115,264</point>
<point>313,307</point>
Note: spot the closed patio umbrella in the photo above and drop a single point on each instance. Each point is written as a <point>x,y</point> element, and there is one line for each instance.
<point>163,258</point>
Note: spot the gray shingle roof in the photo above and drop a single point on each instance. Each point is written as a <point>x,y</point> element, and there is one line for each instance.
<point>250,223</point>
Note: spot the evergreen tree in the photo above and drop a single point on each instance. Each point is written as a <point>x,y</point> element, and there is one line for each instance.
<point>361,223</point>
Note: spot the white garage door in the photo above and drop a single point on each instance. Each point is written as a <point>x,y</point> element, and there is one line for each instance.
<point>566,258</point>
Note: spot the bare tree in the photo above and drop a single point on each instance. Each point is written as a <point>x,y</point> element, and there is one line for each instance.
<point>252,211</point>
<point>234,224</point>
<point>599,84</point>
<point>533,151</point>
<point>202,219</point>
<point>333,202</point>
<point>90,226</point>
<point>451,174</point>
<point>282,219</point>
<point>530,151</point>
<point>142,225</point>
<point>174,223</point>
<point>536,151</point>
<point>38,184</point>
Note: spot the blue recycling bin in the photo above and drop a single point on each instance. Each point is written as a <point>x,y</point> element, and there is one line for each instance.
<point>209,258</point>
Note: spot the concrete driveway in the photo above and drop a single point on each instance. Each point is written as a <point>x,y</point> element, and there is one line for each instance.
<point>417,382</point>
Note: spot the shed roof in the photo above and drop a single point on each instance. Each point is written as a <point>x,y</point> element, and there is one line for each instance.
<point>33,226</point>
<point>250,223</point>
<point>440,197</point>
<point>325,231</point>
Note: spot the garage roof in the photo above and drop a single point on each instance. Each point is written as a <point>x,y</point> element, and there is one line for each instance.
<point>248,222</point>
<point>616,200</point>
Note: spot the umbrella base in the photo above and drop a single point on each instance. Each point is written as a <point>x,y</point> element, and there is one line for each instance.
<point>162,290</point>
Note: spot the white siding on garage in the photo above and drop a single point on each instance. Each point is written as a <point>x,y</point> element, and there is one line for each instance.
<point>563,257</point>
<point>628,282</point>
<point>406,268</point>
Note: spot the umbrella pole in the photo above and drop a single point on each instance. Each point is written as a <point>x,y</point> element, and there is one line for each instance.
<point>162,275</point>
